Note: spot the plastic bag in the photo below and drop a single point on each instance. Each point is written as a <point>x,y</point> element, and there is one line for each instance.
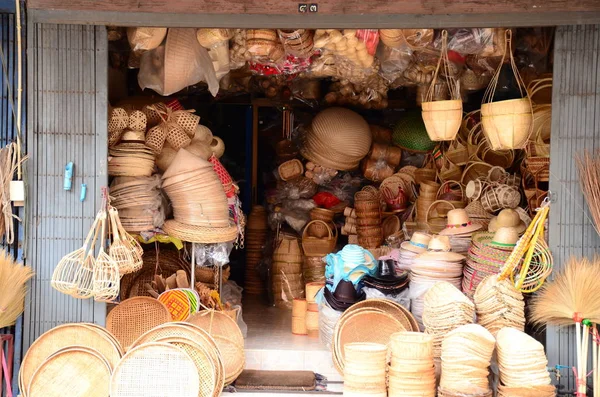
<point>328,317</point>
<point>231,293</point>
<point>394,61</point>
<point>297,213</point>
<point>319,174</point>
<point>347,45</point>
<point>212,254</point>
<point>326,200</point>
<point>415,38</point>
<point>297,42</point>
<point>401,298</point>
<point>298,188</point>
<point>181,62</point>
<point>468,41</point>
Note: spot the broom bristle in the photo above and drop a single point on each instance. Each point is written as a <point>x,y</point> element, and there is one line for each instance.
<point>13,277</point>
<point>575,290</point>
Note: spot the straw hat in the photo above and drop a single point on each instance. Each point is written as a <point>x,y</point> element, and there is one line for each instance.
<point>459,223</point>
<point>505,237</point>
<point>439,250</point>
<point>418,243</point>
<point>507,218</point>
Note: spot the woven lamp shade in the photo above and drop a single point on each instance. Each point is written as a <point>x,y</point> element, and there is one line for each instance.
<point>338,139</point>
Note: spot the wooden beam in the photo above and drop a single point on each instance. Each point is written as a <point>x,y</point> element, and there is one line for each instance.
<point>325,7</point>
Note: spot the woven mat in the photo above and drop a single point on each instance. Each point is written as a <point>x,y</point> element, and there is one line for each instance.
<point>276,380</point>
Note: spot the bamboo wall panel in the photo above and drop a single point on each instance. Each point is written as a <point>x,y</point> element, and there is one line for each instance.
<point>575,127</point>
<point>66,122</point>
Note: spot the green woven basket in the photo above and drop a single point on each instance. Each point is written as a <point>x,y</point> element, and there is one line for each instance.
<point>410,134</point>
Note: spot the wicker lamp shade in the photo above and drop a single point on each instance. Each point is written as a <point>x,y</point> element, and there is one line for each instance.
<point>338,138</point>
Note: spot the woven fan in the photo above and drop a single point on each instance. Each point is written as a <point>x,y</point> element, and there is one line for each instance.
<point>69,269</point>
<point>106,273</point>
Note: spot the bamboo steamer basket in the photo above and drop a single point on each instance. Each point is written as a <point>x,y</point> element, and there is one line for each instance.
<point>507,124</point>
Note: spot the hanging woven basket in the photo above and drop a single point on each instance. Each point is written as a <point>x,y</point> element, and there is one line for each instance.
<point>443,118</point>
<point>507,124</point>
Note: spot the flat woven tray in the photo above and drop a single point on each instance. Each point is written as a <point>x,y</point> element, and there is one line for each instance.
<point>155,369</point>
<point>135,316</point>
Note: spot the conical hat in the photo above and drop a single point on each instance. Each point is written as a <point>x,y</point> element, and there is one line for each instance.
<point>183,162</point>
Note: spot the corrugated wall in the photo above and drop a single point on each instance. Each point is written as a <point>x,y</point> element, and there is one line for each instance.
<point>575,127</point>
<point>67,70</point>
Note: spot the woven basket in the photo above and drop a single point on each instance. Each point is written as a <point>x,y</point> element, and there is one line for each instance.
<point>450,172</point>
<point>475,170</point>
<point>438,223</point>
<point>177,137</point>
<point>322,214</point>
<point>287,249</point>
<point>507,124</point>
<point>319,246</point>
<point>457,152</point>
<point>291,169</point>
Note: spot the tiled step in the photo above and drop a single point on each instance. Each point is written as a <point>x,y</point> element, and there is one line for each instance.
<point>270,344</point>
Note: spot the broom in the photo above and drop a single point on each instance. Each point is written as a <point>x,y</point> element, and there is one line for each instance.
<point>573,297</point>
<point>13,277</point>
<point>589,179</point>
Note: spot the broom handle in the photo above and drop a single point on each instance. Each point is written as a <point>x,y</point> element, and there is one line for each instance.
<point>578,342</point>
<point>584,356</point>
<point>594,361</point>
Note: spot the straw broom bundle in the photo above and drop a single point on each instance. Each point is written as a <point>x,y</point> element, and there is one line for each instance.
<point>589,178</point>
<point>13,277</point>
<point>573,297</point>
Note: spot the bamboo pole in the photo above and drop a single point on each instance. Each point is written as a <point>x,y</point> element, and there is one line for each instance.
<point>19,86</point>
